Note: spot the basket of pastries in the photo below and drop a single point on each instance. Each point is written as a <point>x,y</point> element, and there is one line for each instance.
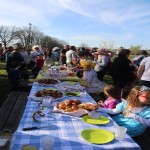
<point>75,107</point>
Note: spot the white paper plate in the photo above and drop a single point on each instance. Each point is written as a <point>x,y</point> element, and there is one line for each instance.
<point>77,113</point>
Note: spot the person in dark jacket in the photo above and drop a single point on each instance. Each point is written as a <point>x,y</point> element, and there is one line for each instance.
<point>122,71</point>
<point>13,64</point>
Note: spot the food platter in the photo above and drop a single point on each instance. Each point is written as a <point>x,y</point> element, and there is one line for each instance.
<point>47,82</point>
<point>74,107</point>
<point>50,92</point>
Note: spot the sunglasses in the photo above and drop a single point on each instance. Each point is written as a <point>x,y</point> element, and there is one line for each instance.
<point>144,88</point>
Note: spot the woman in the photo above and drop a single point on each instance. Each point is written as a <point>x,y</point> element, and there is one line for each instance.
<point>33,54</point>
<point>101,64</point>
<point>122,70</point>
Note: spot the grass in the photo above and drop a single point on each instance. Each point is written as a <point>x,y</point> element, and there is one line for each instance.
<point>4,83</point>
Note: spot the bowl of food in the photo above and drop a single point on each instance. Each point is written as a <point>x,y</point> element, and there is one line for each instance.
<point>54,93</point>
<point>48,81</point>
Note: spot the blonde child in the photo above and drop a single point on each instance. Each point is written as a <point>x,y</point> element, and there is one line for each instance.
<point>89,75</point>
<point>113,94</point>
<point>134,114</point>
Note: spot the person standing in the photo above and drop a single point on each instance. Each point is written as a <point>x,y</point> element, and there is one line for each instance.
<point>101,63</point>
<point>121,69</point>
<point>143,72</point>
<point>63,54</point>
<point>71,56</point>
<point>15,60</point>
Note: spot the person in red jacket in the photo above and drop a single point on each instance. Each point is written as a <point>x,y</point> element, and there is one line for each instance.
<point>39,62</point>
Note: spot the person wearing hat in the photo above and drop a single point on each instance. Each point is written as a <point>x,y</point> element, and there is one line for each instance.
<point>33,54</point>
<point>101,63</point>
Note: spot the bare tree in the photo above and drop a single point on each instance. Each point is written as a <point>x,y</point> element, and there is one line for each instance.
<point>83,45</point>
<point>109,45</point>
<point>135,47</point>
<point>28,36</point>
<point>52,42</point>
<point>7,34</point>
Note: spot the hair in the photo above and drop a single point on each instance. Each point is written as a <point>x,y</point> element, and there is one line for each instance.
<point>132,99</point>
<point>114,91</point>
<point>82,52</point>
<point>124,52</point>
<point>73,48</point>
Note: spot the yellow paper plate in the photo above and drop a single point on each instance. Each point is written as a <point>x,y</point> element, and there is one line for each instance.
<point>97,136</point>
<point>100,120</point>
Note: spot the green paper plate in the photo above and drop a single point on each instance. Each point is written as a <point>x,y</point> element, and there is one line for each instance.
<point>72,93</point>
<point>97,136</point>
<point>54,89</point>
<point>100,120</point>
<point>71,82</point>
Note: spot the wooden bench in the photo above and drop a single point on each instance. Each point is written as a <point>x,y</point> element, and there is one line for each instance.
<point>12,110</point>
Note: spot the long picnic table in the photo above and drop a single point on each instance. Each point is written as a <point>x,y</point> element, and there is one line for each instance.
<point>64,130</point>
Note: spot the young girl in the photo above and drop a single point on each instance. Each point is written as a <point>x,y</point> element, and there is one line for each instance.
<point>134,114</point>
<point>89,75</point>
<point>113,94</point>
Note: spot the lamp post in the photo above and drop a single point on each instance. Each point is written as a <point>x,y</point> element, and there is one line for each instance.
<point>30,33</point>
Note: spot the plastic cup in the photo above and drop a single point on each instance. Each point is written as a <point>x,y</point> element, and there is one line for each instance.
<point>120,132</point>
<point>47,142</point>
<point>47,102</point>
<point>83,94</point>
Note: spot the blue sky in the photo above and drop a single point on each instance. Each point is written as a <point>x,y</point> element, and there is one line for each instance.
<point>122,22</point>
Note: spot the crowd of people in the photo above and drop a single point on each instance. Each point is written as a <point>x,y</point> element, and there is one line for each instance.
<point>132,111</point>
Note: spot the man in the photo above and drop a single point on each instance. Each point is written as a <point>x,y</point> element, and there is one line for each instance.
<point>71,56</point>
<point>15,60</point>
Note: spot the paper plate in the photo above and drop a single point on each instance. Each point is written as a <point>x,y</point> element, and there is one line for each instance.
<point>97,136</point>
<point>72,82</point>
<point>72,93</point>
<point>100,120</point>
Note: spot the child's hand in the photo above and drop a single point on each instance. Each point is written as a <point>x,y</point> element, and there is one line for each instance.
<point>101,103</point>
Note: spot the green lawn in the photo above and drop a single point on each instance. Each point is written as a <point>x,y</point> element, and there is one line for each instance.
<point>4,83</point>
